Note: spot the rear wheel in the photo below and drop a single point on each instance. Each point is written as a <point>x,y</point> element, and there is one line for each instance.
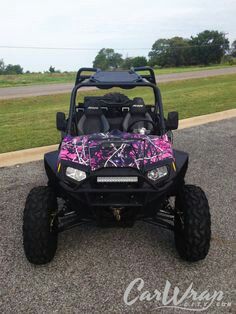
<point>192,223</point>
<point>40,225</point>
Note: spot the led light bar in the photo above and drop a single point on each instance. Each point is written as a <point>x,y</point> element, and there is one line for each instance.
<point>116,179</point>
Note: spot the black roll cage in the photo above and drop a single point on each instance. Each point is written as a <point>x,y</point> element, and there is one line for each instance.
<point>147,80</point>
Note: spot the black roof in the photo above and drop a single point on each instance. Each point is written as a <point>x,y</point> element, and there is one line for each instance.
<point>116,77</point>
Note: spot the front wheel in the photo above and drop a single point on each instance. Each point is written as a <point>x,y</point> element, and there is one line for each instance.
<point>40,225</point>
<point>192,223</point>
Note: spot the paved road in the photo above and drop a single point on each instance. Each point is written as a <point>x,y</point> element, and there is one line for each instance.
<point>93,267</point>
<point>38,90</point>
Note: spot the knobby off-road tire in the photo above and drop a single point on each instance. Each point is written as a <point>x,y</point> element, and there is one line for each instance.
<point>40,225</point>
<point>192,224</point>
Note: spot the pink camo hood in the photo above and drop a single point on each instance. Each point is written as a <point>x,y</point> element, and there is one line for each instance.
<point>116,149</point>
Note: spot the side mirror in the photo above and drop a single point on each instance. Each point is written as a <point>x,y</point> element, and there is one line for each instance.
<point>61,121</point>
<point>172,121</point>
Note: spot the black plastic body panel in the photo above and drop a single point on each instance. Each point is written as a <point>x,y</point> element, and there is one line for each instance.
<point>181,160</point>
<point>50,165</point>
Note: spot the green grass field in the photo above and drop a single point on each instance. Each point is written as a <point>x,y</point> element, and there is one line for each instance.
<point>36,79</point>
<point>190,69</point>
<point>47,78</point>
<point>30,122</point>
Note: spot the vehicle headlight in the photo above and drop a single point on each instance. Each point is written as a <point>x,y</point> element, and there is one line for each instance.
<point>75,174</point>
<point>157,173</point>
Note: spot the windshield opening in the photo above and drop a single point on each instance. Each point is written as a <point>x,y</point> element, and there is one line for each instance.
<point>146,93</point>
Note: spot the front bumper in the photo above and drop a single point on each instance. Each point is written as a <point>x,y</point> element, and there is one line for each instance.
<point>144,193</point>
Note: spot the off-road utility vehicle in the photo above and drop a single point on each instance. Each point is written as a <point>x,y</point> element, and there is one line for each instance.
<point>115,165</point>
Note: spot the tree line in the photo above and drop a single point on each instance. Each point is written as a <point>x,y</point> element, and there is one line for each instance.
<point>10,68</point>
<point>207,47</point>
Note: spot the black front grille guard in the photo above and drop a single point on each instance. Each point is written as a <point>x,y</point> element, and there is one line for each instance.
<point>89,188</point>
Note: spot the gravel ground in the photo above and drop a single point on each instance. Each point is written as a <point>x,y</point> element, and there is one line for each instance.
<point>51,89</point>
<point>93,267</point>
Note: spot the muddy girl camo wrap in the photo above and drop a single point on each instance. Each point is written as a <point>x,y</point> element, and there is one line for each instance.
<point>115,149</point>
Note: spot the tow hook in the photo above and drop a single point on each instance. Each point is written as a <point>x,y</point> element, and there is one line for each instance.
<point>117,212</point>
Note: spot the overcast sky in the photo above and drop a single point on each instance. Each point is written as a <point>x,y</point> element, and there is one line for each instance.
<point>102,23</point>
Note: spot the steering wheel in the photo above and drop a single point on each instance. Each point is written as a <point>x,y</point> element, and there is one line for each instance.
<point>141,120</point>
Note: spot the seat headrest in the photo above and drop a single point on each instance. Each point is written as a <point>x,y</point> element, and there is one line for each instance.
<point>93,111</point>
<point>138,106</point>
